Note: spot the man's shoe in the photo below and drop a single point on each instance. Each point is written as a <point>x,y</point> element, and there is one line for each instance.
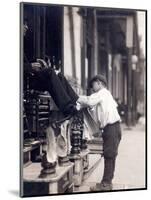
<point>106,186</point>
<point>102,187</point>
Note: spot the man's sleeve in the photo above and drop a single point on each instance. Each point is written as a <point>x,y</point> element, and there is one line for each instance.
<point>91,100</point>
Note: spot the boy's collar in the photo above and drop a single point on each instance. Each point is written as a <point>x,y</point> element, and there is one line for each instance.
<point>101,89</point>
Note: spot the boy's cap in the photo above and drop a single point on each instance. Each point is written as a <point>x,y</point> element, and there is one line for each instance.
<point>98,78</point>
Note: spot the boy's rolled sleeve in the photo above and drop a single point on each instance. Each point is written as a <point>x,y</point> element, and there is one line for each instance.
<point>91,100</point>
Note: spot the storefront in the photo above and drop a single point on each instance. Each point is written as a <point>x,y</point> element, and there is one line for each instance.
<point>44,38</point>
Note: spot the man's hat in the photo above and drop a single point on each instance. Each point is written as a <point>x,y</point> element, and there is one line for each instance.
<point>98,78</point>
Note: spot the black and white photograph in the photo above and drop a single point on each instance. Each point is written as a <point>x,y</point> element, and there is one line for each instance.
<point>82,99</point>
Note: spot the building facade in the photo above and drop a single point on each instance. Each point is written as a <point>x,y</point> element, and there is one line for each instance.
<point>84,42</point>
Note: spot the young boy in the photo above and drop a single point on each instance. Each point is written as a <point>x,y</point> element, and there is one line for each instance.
<point>105,113</point>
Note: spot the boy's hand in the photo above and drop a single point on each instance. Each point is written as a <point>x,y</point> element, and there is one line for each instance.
<point>82,100</point>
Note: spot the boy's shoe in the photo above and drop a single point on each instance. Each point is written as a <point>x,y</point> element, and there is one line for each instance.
<point>102,187</point>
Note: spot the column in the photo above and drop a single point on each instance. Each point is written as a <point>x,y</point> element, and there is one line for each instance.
<point>83,48</point>
<point>94,68</point>
<point>129,44</point>
<point>129,88</point>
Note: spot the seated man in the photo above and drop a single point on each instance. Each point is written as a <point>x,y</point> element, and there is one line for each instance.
<point>44,78</point>
<point>63,95</point>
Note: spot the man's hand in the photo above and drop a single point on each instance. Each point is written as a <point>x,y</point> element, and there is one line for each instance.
<point>36,66</point>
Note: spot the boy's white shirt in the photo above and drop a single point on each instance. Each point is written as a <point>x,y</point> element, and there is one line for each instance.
<point>103,107</point>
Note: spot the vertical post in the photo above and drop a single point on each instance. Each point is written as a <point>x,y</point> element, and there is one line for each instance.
<point>133,96</point>
<point>134,84</point>
<point>76,133</point>
<point>75,136</point>
<point>83,49</point>
<point>95,35</point>
<point>44,33</point>
<point>129,44</point>
<point>38,23</point>
<point>37,32</point>
<point>109,64</point>
<point>129,87</point>
<point>72,37</point>
<point>62,38</point>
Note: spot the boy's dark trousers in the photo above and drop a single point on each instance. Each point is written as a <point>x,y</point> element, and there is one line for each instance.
<point>111,139</point>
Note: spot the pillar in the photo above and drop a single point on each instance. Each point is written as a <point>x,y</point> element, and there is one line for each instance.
<point>95,38</point>
<point>129,87</point>
<point>83,48</point>
<point>129,44</point>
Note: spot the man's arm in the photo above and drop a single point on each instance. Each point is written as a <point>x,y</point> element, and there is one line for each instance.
<point>91,100</point>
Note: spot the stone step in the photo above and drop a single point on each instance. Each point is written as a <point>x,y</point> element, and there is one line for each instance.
<point>95,146</point>
<point>58,183</point>
<point>94,160</point>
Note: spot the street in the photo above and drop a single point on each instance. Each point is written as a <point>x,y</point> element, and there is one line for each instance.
<point>130,164</point>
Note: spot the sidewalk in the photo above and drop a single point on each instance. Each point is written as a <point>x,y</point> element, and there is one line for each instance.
<point>130,165</point>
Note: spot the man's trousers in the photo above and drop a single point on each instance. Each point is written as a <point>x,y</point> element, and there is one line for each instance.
<point>111,139</point>
<point>62,93</point>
